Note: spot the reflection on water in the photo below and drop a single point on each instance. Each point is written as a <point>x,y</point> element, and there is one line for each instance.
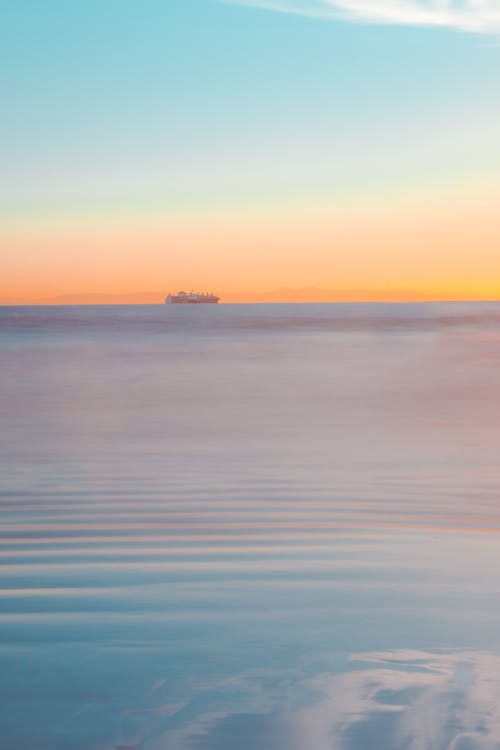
<point>389,700</point>
<point>268,526</point>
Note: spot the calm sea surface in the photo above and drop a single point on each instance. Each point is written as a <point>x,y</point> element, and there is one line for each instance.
<point>250,527</point>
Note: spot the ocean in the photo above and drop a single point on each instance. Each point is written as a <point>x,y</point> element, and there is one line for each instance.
<point>239,527</point>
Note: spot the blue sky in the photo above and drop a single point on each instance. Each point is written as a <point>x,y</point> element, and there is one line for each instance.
<point>111,96</point>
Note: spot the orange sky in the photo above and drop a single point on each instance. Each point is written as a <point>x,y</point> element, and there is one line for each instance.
<point>442,244</point>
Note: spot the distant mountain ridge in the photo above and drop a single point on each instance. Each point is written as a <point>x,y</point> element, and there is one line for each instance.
<point>315,294</point>
<point>283,294</point>
<point>139,298</point>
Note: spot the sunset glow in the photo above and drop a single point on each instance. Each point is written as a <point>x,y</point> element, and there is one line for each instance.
<point>342,163</point>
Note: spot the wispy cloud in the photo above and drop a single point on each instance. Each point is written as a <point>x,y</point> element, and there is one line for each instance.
<point>465,15</point>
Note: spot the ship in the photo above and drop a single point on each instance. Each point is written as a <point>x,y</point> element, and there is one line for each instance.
<point>193,298</point>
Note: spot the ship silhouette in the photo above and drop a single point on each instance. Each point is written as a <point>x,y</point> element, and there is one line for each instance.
<point>193,298</point>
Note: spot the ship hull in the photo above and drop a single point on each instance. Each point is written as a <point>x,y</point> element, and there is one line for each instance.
<point>192,302</point>
<point>185,300</point>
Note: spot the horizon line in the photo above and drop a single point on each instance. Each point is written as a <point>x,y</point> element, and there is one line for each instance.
<point>283,295</point>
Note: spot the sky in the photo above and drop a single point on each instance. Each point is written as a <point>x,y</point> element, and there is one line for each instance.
<point>247,146</point>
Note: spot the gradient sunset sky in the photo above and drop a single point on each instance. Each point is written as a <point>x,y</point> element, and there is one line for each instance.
<point>245,146</point>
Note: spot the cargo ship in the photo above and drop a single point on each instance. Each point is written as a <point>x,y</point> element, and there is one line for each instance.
<point>193,298</point>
